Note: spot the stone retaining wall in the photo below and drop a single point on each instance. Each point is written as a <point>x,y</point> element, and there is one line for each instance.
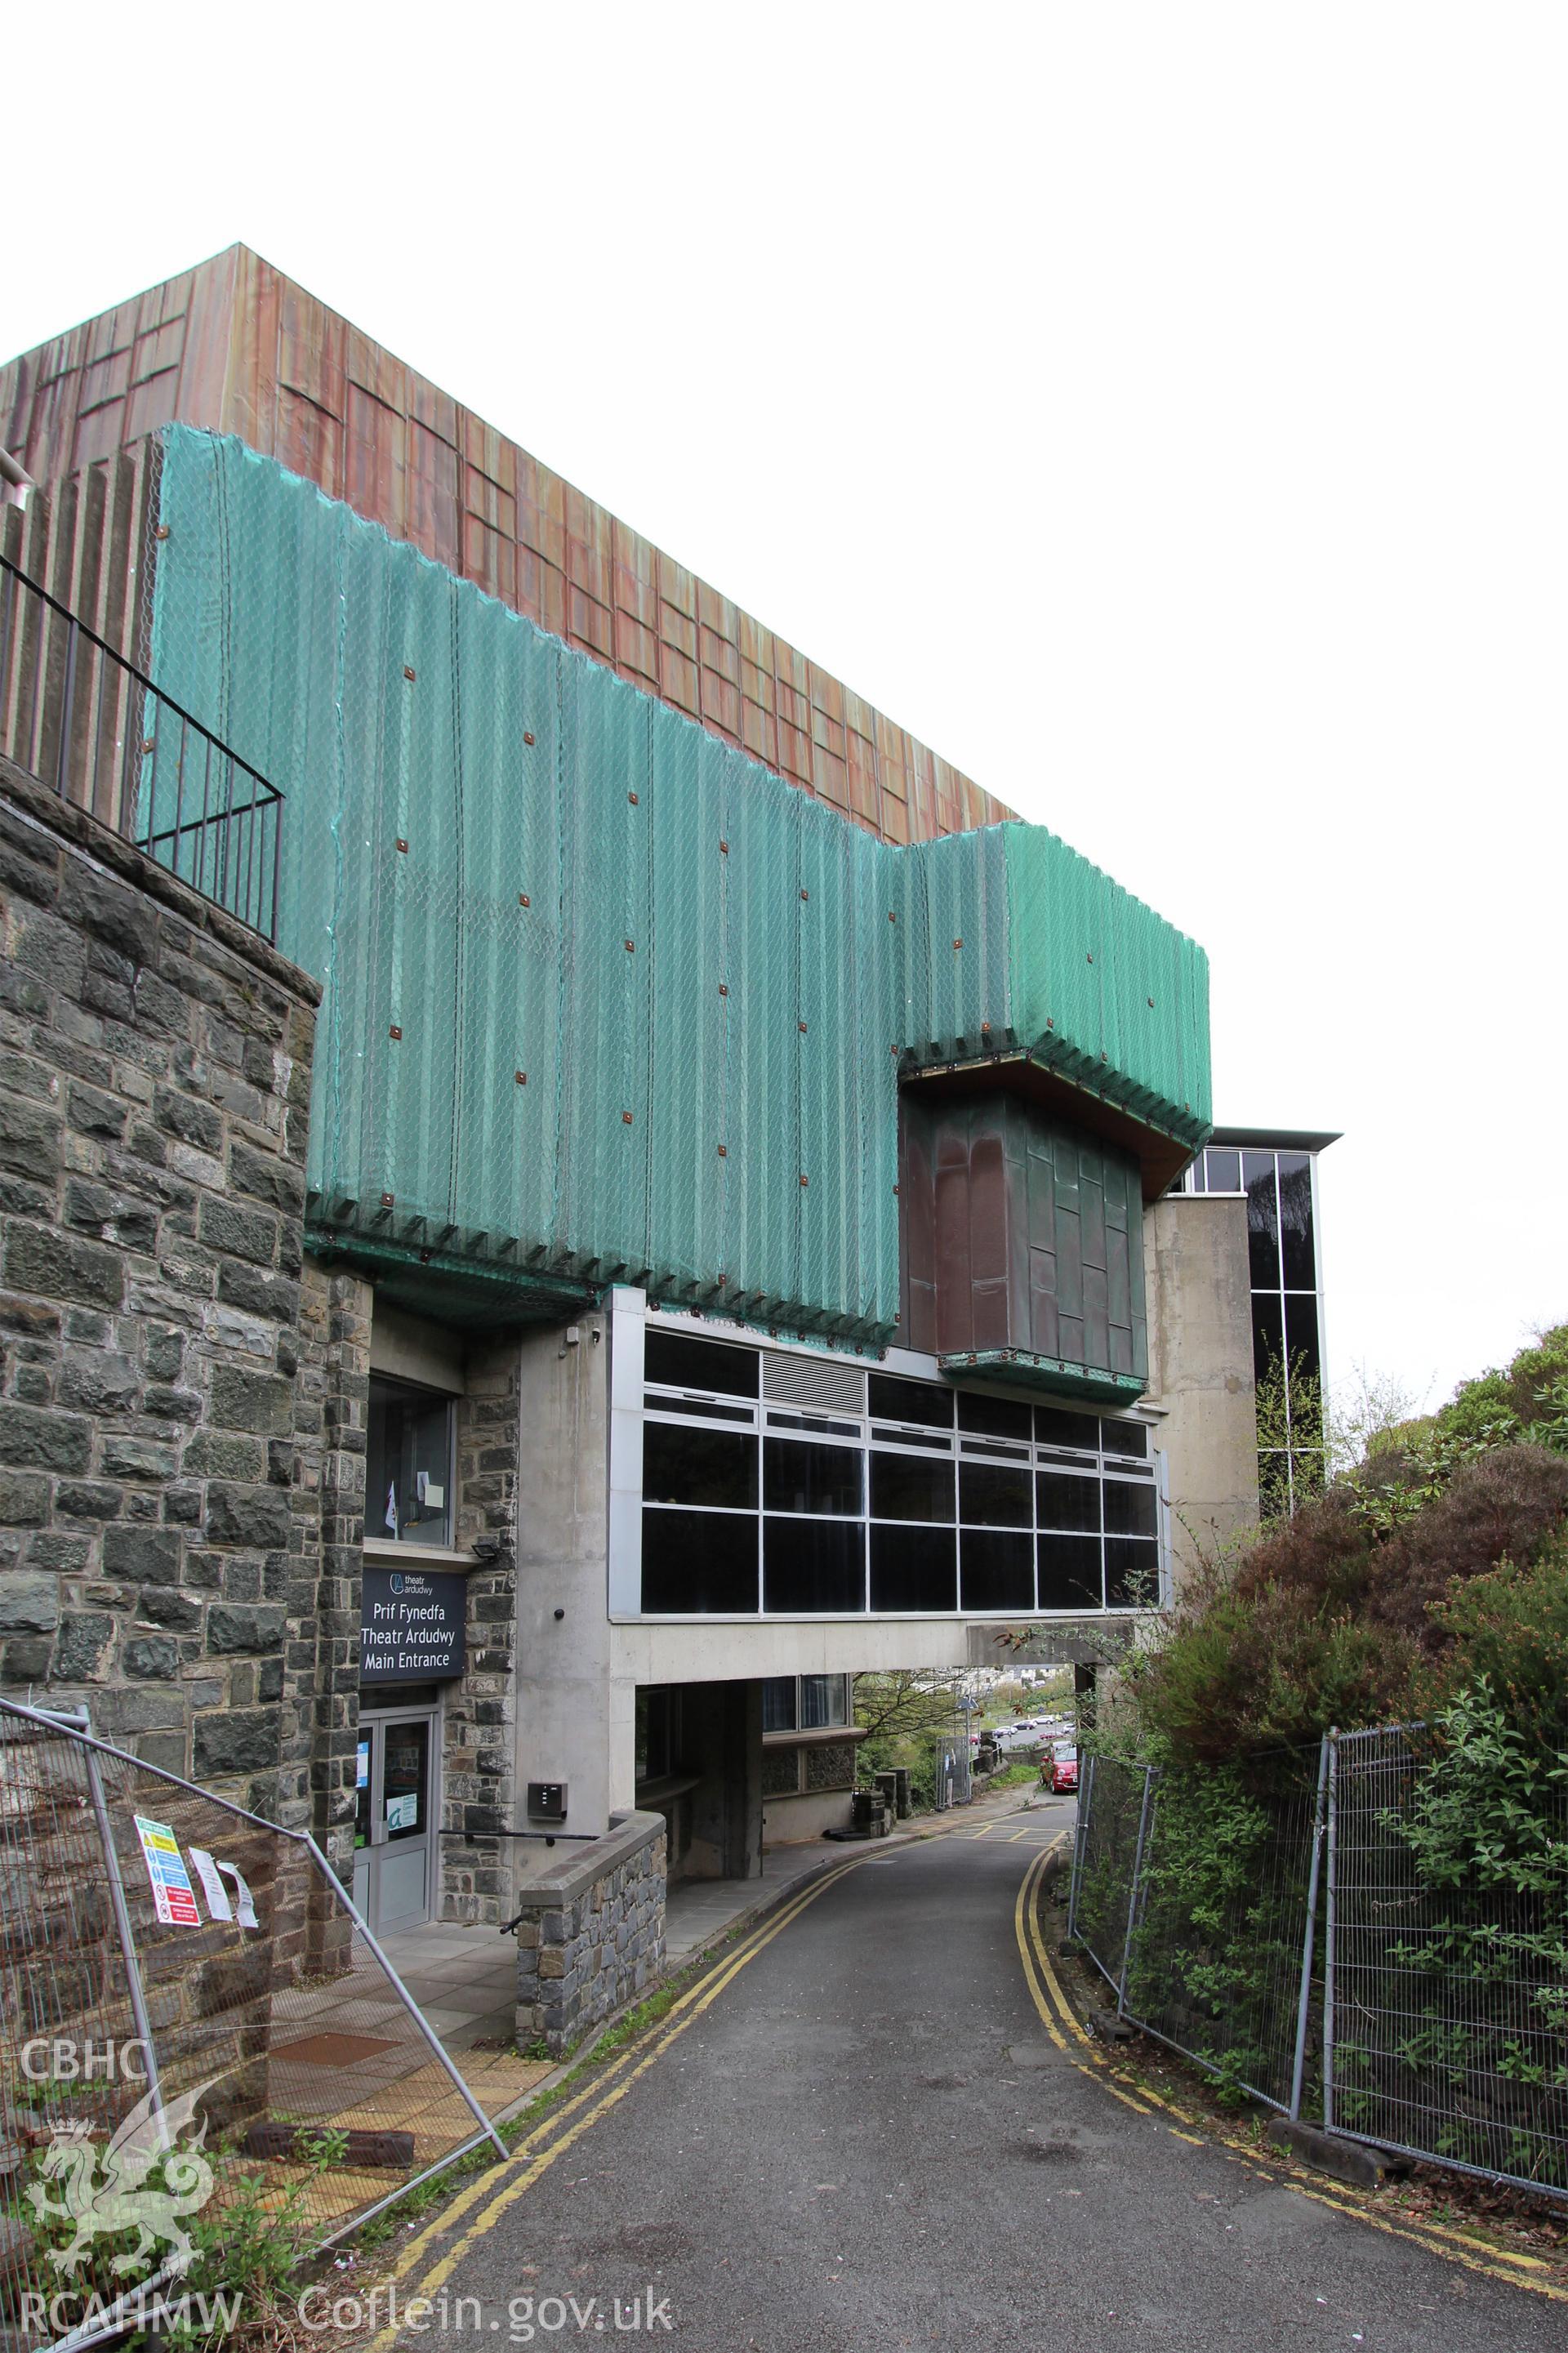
<point>592,1933</point>
<point>160,1513</point>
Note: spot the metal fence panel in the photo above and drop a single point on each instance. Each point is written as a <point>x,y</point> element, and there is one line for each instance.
<point>171,1965</point>
<point>1449,2036</point>
<point>1110,1814</point>
<point>953,1780</point>
<point>1214,1960</point>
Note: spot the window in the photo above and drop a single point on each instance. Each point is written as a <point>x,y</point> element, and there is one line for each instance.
<point>824,1700</point>
<point>813,1568</point>
<point>781,1703</point>
<point>909,1487</point>
<point>408,1488</point>
<point>929,1500</point>
<point>804,1702</point>
<point>717,1468</point>
<point>675,1360</point>
<point>800,1477</point>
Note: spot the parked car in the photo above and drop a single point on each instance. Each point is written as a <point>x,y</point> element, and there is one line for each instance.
<point>1012,1737</point>
<point>1064,1766</point>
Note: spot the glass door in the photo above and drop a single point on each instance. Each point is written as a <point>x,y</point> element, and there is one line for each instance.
<point>394,1844</point>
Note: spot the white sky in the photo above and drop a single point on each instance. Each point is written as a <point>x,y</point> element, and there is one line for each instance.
<point>1162,411</point>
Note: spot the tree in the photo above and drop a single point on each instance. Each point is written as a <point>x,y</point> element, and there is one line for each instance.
<point>905,1700</point>
<point>1367,1409</point>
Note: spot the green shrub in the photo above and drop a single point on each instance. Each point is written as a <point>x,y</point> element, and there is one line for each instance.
<point>1508,1630</point>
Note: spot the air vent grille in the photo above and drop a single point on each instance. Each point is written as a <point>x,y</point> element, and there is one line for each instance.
<point>807,1380</point>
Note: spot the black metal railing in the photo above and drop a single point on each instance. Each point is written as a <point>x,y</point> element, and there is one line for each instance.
<point>90,724</point>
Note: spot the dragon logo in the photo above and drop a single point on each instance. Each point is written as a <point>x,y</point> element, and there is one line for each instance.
<point>103,2204</point>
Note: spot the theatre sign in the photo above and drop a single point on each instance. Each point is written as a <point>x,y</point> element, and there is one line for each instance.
<point>411,1624</point>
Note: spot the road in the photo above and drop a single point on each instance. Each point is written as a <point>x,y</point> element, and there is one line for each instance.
<point>873,2127</point>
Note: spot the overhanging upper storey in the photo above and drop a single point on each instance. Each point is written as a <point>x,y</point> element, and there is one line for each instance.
<point>605,1000</point>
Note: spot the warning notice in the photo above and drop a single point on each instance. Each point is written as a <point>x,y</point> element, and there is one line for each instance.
<point>172,1896</point>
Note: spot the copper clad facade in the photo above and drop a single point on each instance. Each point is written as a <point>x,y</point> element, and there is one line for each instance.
<point>236,347</point>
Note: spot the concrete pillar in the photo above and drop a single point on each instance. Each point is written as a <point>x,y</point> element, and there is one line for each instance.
<point>1200,1369</point>
<point>571,1724</point>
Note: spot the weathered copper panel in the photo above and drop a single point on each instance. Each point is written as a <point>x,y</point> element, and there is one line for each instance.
<point>234,346</point>
<point>1007,1248</point>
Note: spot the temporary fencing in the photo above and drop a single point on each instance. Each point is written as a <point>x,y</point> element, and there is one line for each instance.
<point>1278,1923</point>
<point>188,2003</point>
<point>1448,2000</point>
<point>952,1779</point>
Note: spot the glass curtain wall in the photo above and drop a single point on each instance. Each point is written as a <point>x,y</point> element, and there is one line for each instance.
<point>1278,1189</point>
<point>914,1499</point>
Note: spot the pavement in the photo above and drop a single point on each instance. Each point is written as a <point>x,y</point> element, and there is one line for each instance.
<point>874,2124</point>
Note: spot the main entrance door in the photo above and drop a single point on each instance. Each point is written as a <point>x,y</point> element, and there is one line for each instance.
<point>394,1841</point>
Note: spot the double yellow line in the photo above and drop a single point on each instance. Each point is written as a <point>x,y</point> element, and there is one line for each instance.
<point>1062,2026</point>
<point>482,2204</point>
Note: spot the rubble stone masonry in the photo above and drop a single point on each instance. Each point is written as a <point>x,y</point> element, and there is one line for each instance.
<point>166,1449</point>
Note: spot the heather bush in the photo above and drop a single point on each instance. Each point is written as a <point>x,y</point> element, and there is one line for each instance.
<point>1508,1630</point>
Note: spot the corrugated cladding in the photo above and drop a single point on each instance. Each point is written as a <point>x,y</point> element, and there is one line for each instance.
<point>604,997</point>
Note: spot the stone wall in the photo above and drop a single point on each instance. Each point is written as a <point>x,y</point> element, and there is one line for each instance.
<point>160,1459</point>
<point>592,1933</point>
<point>479,1783</point>
<point>321,1656</point>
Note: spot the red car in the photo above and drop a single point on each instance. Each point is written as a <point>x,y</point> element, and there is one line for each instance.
<point>1064,1769</point>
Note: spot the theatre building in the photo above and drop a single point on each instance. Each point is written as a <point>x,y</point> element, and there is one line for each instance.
<point>713,1212</point>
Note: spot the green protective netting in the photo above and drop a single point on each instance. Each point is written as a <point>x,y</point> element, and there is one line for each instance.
<point>480,820</point>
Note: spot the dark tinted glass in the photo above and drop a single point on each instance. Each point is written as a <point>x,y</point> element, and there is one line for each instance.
<point>409,1440</point>
<point>893,1400</point>
<point>1262,1219</point>
<point>997,1571</point>
<point>1069,1572</point>
<point>1302,1342</point>
<point>698,1562</point>
<point>813,1565</point>
<point>683,1363</point>
<point>1295,1221</point>
<point>914,1568</point>
<point>814,1424</point>
<point>1131,1573</point>
<point>1192,1181</point>
<point>1054,1428</point>
<point>778,1702</point>
<point>1222,1171</point>
<point>995,1416</point>
<point>1066,1503</point>
<point>1268,1336</point>
<point>1125,1438</point>
<point>991,1497</point>
<point>1130,1511</point>
<point>806,1478</point>
<point>906,1487</point>
<point>708,1408</point>
<point>916,1438</point>
<point>698,1466</point>
<point>821,1702</point>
